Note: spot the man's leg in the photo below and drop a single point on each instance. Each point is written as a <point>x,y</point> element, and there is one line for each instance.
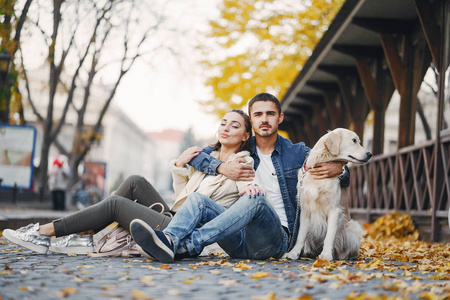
<point>249,228</point>
<point>196,211</point>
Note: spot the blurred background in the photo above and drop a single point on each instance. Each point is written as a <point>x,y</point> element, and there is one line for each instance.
<point>114,88</point>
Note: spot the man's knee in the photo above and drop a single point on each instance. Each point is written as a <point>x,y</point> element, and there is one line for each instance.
<point>255,200</point>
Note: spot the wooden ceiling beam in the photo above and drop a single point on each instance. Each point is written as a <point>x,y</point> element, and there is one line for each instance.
<point>339,71</point>
<point>431,29</point>
<point>392,58</point>
<point>383,25</point>
<point>358,51</point>
<point>323,86</point>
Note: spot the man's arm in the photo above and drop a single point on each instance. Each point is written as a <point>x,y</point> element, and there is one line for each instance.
<point>235,170</point>
<point>332,169</point>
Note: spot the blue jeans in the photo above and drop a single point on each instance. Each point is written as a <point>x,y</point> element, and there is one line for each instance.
<point>250,228</point>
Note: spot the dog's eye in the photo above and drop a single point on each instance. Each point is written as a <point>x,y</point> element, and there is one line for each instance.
<point>355,141</point>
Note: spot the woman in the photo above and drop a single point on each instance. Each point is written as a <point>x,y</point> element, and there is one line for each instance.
<point>234,139</point>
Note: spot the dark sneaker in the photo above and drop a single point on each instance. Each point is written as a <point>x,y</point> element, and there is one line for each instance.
<point>29,237</point>
<point>154,243</point>
<point>74,243</point>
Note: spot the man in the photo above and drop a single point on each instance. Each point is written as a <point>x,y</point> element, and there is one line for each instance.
<point>252,227</point>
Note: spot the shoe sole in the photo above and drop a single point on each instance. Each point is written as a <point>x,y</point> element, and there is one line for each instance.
<point>36,248</point>
<point>143,253</point>
<point>147,239</point>
<point>70,250</point>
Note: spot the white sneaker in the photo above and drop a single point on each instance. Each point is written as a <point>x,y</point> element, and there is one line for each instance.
<point>29,237</point>
<point>73,243</point>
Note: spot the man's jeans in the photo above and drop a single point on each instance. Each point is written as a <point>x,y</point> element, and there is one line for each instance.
<point>250,228</point>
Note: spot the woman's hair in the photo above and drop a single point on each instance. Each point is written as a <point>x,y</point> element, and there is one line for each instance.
<point>248,128</point>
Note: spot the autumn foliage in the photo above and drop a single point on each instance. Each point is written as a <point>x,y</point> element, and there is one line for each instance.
<point>260,46</point>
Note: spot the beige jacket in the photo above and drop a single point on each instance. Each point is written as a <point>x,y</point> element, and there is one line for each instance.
<point>219,188</point>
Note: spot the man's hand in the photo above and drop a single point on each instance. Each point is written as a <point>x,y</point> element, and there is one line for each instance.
<point>236,170</point>
<point>326,170</point>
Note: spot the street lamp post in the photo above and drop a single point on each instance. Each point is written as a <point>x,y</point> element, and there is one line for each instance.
<point>5,66</point>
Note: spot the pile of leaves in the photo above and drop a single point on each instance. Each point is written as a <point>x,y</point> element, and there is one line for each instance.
<point>396,225</point>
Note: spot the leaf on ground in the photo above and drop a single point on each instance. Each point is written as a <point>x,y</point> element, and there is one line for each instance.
<point>108,287</point>
<point>85,267</point>
<point>124,278</point>
<point>259,275</point>
<point>228,282</point>
<point>173,292</point>
<point>66,292</point>
<point>147,280</point>
<point>320,263</point>
<point>137,294</point>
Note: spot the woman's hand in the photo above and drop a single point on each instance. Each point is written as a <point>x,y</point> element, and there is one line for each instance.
<point>252,190</point>
<point>187,155</point>
<point>326,170</point>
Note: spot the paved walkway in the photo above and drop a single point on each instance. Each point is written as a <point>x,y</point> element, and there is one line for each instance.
<point>25,275</point>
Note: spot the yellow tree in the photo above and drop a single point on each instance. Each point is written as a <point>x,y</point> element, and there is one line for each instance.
<point>260,46</point>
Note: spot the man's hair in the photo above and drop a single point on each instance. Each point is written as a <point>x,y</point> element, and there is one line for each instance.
<point>264,97</point>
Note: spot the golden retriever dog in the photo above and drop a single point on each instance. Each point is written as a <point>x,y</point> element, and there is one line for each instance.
<point>326,229</point>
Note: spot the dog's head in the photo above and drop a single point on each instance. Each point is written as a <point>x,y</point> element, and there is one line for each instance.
<point>339,145</point>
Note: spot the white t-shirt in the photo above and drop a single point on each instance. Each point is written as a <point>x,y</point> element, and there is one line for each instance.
<point>267,176</point>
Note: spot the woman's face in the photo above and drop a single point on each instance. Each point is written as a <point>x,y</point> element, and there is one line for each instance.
<point>232,130</point>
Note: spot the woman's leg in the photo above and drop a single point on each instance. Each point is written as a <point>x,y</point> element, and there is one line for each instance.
<point>114,208</point>
<point>138,188</point>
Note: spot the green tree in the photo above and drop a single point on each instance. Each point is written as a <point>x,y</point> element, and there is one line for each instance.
<point>260,45</point>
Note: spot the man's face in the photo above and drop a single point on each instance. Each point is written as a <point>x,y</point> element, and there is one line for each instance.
<point>265,118</point>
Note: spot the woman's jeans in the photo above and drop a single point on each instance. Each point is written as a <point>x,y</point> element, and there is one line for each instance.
<point>120,207</point>
<point>250,228</point>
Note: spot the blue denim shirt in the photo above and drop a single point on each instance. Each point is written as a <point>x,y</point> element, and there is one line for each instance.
<point>287,159</point>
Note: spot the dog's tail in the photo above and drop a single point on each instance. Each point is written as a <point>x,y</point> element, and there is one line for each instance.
<point>351,241</point>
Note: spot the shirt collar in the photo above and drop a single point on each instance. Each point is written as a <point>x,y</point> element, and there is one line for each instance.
<point>277,145</point>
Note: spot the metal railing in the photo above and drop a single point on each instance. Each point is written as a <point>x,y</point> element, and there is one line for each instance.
<point>404,182</point>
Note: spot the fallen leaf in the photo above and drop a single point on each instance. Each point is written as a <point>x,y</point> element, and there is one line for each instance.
<point>259,275</point>
<point>108,287</point>
<point>228,282</point>
<point>137,294</point>
<point>66,292</point>
<point>320,263</point>
<point>147,280</point>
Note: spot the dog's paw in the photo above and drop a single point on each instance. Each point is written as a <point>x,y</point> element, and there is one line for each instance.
<point>291,255</point>
<point>328,256</point>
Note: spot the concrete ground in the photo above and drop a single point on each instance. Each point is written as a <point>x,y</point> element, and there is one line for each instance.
<point>213,275</point>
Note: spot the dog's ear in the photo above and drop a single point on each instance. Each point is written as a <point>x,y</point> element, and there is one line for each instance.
<point>332,142</point>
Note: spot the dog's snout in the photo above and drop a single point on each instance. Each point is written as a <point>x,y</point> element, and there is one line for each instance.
<point>369,155</point>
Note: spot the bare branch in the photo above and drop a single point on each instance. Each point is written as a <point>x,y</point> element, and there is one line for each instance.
<point>27,87</point>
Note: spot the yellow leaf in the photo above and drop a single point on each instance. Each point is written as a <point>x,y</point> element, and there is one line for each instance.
<point>320,263</point>
<point>138,294</point>
<point>259,275</point>
<point>66,292</point>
